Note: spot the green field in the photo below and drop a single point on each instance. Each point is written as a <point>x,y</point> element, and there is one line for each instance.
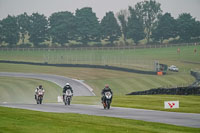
<point>22,90</point>
<point>19,121</point>
<point>16,120</point>
<point>188,104</point>
<point>131,58</point>
<point>120,82</point>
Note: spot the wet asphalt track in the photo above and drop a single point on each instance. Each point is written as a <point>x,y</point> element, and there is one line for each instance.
<point>180,119</point>
<point>79,87</point>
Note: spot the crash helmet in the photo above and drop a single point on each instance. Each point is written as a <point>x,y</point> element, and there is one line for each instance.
<point>40,86</point>
<point>67,84</point>
<point>106,86</point>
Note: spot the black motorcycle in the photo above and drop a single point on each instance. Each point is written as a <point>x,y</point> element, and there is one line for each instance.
<point>107,100</point>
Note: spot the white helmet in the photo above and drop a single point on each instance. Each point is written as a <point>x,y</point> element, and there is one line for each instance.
<point>67,84</point>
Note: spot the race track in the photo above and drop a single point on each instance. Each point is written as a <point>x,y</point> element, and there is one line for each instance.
<point>79,87</point>
<point>181,119</point>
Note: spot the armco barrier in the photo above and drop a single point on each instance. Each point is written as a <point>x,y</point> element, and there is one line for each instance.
<point>83,65</point>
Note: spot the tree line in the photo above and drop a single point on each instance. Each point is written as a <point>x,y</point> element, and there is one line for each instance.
<point>143,21</point>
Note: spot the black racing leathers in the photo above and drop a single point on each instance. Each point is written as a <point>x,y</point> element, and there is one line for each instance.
<point>66,87</point>
<point>36,91</point>
<point>103,94</point>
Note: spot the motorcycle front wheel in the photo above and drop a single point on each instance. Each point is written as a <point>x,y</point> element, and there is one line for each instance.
<point>108,104</point>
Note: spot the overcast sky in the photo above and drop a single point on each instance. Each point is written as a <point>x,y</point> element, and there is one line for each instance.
<point>100,7</point>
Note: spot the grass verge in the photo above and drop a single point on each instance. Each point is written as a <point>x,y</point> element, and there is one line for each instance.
<point>24,121</point>
<point>187,104</point>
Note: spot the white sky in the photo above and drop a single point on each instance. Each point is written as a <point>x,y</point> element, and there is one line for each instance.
<point>100,7</point>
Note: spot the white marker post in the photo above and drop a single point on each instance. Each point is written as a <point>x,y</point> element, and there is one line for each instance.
<point>171,104</point>
<point>60,99</point>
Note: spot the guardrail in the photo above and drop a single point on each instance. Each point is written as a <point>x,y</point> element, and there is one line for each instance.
<point>100,48</point>
<point>84,65</point>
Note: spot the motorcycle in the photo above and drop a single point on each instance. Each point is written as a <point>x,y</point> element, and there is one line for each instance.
<point>107,100</point>
<point>39,96</point>
<point>67,97</point>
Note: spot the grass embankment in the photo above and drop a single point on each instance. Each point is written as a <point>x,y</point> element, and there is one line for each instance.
<point>137,59</point>
<point>120,82</point>
<point>22,90</point>
<point>19,121</point>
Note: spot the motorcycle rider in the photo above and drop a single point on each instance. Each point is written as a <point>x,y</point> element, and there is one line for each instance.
<point>106,89</point>
<point>37,90</point>
<point>65,88</point>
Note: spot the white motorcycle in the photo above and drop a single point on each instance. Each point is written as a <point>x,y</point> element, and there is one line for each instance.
<point>67,97</point>
<point>39,96</point>
<point>107,101</point>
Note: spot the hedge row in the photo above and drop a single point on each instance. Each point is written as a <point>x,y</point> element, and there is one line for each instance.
<point>197,77</point>
<point>170,91</point>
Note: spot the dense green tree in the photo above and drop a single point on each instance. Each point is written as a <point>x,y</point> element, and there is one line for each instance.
<point>62,27</point>
<point>1,32</point>
<point>10,30</point>
<point>23,23</point>
<point>110,29</point>
<point>165,29</point>
<point>197,29</point>
<point>88,27</point>
<point>149,11</point>
<point>38,29</point>
<point>135,26</point>
<point>187,27</point>
<point>122,17</point>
